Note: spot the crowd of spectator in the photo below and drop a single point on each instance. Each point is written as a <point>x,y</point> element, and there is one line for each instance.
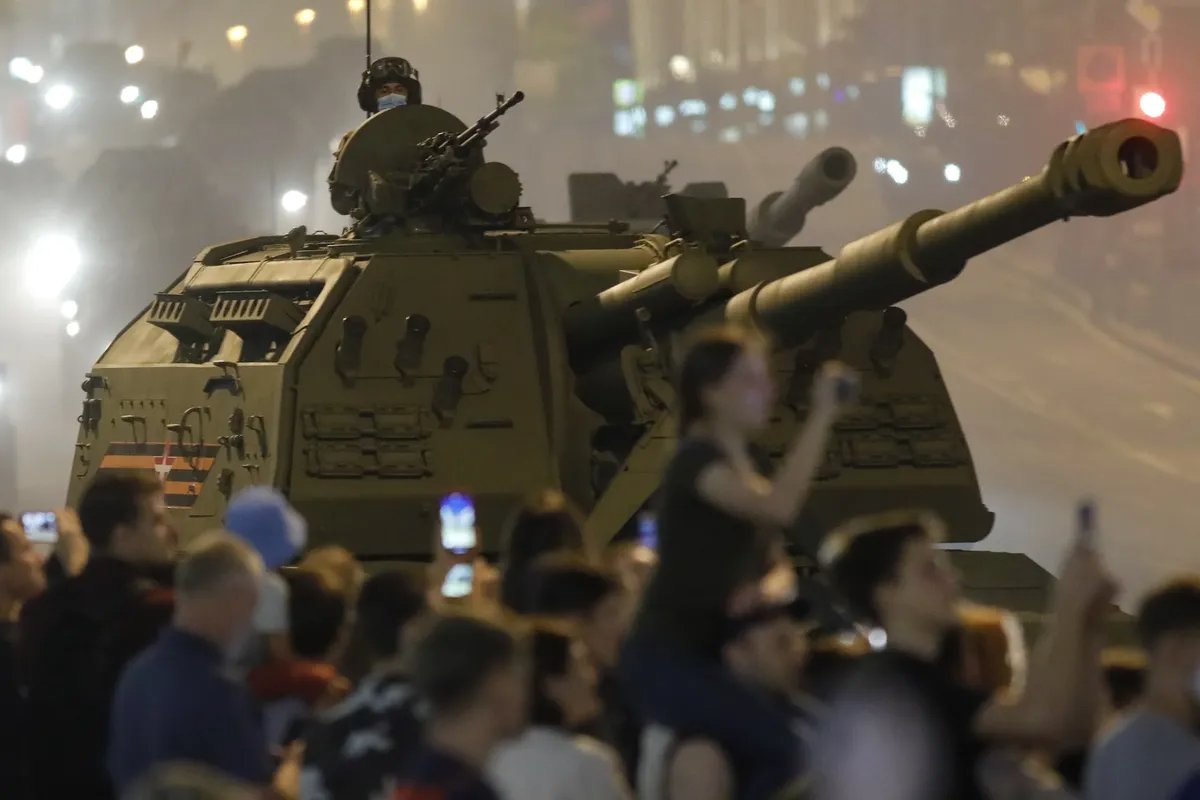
<point>689,666</point>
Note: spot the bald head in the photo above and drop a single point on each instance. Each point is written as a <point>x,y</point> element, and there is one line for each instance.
<point>216,586</point>
<point>212,562</point>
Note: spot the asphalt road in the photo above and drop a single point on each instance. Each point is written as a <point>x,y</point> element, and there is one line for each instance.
<point>1056,409</point>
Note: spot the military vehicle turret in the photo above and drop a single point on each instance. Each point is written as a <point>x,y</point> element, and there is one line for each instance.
<point>779,218</point>
<point>448,340</point>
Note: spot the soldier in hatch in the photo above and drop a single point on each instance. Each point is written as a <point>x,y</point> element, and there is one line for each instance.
<point>388,83</point>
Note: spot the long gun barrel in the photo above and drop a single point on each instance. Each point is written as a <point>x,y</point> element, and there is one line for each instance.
<point>781,216</point>
<point>1106,171</point>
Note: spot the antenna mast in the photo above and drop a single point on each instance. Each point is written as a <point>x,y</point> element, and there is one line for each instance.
<point>367,68</point>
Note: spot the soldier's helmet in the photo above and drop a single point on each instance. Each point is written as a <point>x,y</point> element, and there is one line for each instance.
<point>388,70</point>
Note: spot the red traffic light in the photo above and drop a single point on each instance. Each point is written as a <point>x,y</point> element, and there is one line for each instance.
<point>1152,104</point>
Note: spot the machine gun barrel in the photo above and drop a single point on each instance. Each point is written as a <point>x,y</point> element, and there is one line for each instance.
<point>1106,171</point>
<point>480,130</point>
<point>781,216</point>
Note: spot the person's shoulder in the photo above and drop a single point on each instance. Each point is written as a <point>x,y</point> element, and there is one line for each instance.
<point>593,754</point>
<point>1190,789</point>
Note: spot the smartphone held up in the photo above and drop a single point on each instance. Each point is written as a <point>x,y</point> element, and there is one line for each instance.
<point>41,527</point>
<point>458,539</point>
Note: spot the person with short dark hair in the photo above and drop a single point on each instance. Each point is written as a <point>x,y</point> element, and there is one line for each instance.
<point>600,608</point>
<point>550,761</point>
<point>760,651</point>
<point>473,677</point>
<point>546,523</point>
<point>175,701</point>
<point>720,520</point>
<point>1154,753</point>
<point>889,569</point>
<point>78,636</point>
<point>291,689</point>
<point>353,746</point>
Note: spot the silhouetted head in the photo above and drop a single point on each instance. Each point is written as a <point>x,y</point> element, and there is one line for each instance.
<point>545,523</point>
<point>725,379</point>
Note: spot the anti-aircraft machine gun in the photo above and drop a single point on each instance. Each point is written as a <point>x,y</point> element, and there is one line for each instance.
<point>441,177</point>
<point>465,345</point>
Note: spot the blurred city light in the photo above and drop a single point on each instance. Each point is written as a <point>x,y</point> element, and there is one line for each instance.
<point>305,17</point>
<point>952,173</point>
<point>664,115</point>
<point>897,172</point>
<point>73,328</point>
<point>18,67</point>
<point>729,101</point>
<point>130,95</point>
<point>16,154</point>
<point>236,35</point>
<point>356,6</point>
<point>59,96</point>
<point>880,165</point>
<point>682,69</point>
<point>1152,104</point>
<point>134,54</point>
<point>150,109</point>
<point>293,201</point>
<point>23,69</point>
<point>51,264</point>
<point>69,309</point>
<point>420,6</point>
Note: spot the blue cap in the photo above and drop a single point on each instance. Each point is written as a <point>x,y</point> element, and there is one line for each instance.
<point>267,522</point>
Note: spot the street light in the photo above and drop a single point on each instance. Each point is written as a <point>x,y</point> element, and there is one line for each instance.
<point>51,264</point>
<point>356,7</point>
<point>305,17</point>
<point>130,95</point>
<point>1152,104</point>
<point>236,35</point>
<point>682,69</point>
<point>16,154</point>
<point>73,328</point>
<point>293,201</point>
<point>59,96</point>
<point>149,109</point>
<point>69,309</point>
<point>952,173</point>
<point>23,69</point>
<point>134,54</point>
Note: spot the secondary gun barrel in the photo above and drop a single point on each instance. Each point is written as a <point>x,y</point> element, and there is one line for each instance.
<point>472,135</point>
<point>1106,171</point>
<point>664,290</point>
<point>781,216</point>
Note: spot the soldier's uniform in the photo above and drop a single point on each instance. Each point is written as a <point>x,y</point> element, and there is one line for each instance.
<point>382,72</point>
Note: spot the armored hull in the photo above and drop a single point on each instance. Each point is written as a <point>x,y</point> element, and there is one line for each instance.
<point>449,341</point>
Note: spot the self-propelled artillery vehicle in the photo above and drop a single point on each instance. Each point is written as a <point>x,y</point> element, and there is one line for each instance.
<point>448,340</point>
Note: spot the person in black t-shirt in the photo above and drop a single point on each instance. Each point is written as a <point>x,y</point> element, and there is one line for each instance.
<point>351,747</point>
<point>719,519</point>
<point>474,678</point>
<point>903,708</point>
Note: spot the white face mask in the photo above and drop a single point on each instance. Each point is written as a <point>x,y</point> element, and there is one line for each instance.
<point>390,101</point>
